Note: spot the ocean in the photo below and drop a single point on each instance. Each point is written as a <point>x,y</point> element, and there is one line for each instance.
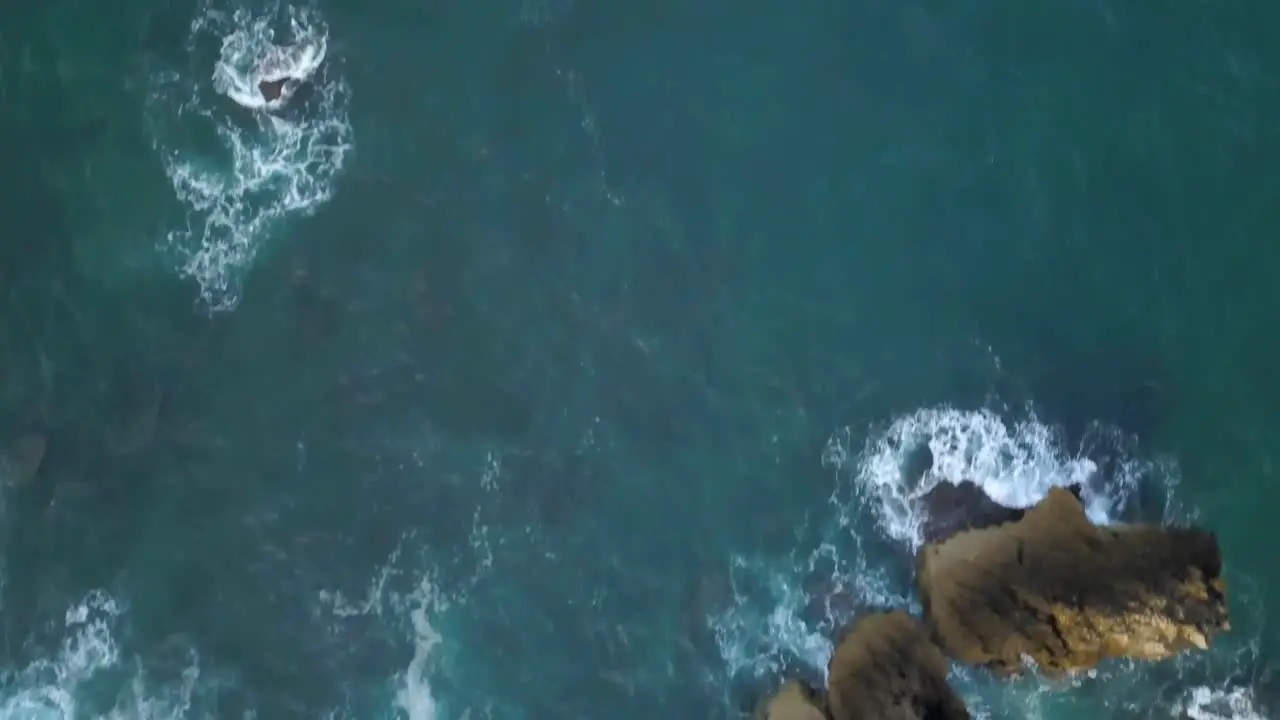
<point>557,359</point>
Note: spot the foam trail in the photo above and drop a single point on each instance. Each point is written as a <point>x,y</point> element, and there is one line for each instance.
<point>413,698</point>
<point>240,168</point>
<point>413,695</point>
<point>90,677</point>
<point>48,687</point>
<point>247,61</point>
<point>785,612</point>
<point>763,628</point>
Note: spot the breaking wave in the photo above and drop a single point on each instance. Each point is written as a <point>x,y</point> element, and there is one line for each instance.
<point>1014,464</point>
<point>239,162</point>
<point>89,675</point>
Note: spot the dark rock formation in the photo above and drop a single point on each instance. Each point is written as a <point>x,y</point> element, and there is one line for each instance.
<point>1067,594</point>
<point>793,701</point>
<point>885,667</point>
<point>272,90</point>
<point>950,508</point>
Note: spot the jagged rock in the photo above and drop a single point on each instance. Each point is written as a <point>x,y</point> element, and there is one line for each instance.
<point>1057,589</point>
<point>793,701</point>
<point>273,90</point>
<point>20,462</point>
<point>950,508</point>
<point>886,668</point>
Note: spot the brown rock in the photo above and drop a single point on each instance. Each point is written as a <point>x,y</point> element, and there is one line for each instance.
<point>793,701</point>
<point>272,90</point>
<point>1054,587</point>
<point>886,668</point>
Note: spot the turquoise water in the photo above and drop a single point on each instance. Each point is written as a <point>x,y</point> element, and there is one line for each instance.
<point>561,360</point>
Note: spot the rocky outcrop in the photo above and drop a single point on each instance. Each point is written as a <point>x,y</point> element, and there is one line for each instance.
<point>950,508</point>
<point>885,667</point>
<point>793,701</point>
<point>273,90</point>
<point>1053,587</point>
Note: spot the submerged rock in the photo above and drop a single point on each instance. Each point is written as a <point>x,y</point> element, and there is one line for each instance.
<point>20,462</point>
<point>139,417</point>
<point>885,667</point>
<point>1056,589</point>
<point>950,508</point>
<point>793,701</point>
<point>280,92</point>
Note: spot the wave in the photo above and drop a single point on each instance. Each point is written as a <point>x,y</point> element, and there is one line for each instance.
<point>1229,703</point>
<point>88,676</point>
<point>1015,465</point>
<point>238,161</point>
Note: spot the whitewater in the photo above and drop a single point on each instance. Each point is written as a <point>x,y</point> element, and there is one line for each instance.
<point>242,165</point>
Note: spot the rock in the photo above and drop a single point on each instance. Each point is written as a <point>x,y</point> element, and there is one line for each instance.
<point>21,460</point>
<point>1054,587</point>
<point>793,701</point>
<point>885,667</point>
<point>950,508</point>
<point>273,90</point>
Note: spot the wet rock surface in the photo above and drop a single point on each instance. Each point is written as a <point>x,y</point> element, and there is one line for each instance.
<point>1054,587</point>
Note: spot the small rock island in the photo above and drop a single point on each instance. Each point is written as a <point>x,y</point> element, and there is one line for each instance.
<point>1005,589</point>
<point>884,667</point>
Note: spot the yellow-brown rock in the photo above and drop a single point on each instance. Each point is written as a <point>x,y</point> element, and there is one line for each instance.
<point>886,668</point>
<point>1057,589</point>
<point>793,701</point>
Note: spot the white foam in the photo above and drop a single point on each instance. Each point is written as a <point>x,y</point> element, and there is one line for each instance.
<point>241,169</point>
<point>764,625</point>
<point>413,698</point>
<point>248,60</point>
<point>141,700</point>
<point>413,689</point>
<point>405,594</point>
<point>1014,463</point>
<point>1204,703</point>
<point>71,683</point>
<point>47,688</point>
<point>771,619</point>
